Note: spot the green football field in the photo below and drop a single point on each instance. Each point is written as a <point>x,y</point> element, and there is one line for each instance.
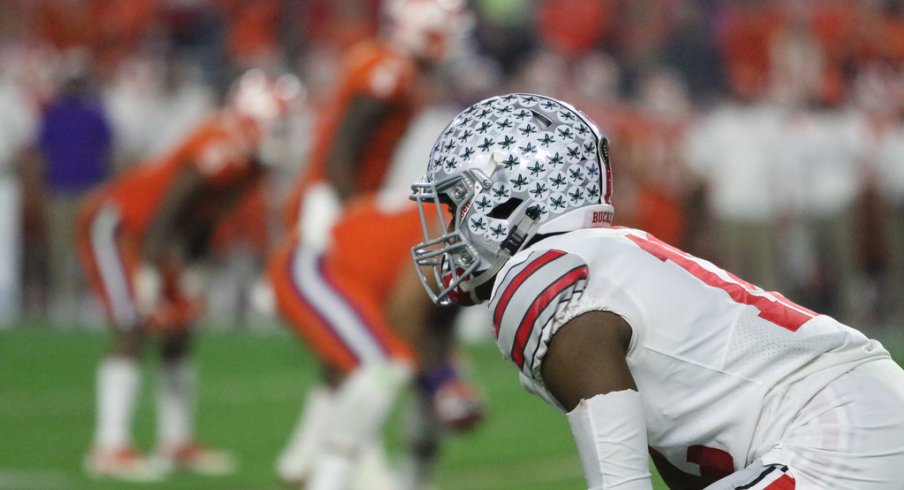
<point>251,389</point>
<point>251,386</point>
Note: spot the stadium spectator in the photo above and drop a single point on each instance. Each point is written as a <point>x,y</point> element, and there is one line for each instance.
<point>18,125</point>
<point>824,153</point>
<point>32,82</point>
<point>109,30</point>
<point>637,48</point>
<point>889,181</point>
<point>76,142</point>
<point>341,24</point>
<point>797,61</point>
<point>197,32</point>
<point>732,150</point>
<point>140,238</point>
<point>153,101</point>
<point>649,350</point>
<point>252,31</point>
<point>692,50</point>
<point>651,140</point>
<point>505,30</point>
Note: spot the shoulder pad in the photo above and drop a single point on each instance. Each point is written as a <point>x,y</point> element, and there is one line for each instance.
<point>529,296</point>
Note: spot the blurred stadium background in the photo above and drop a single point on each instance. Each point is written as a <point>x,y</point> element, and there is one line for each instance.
<point>764,135</point>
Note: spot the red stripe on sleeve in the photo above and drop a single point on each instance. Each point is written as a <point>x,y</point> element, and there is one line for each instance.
<point>517,281</point>
<point>540,303</point>
<point>786,482</point>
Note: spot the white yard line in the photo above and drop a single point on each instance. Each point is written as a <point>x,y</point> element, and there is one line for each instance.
<point>13,479</point>
<point>517,475</point>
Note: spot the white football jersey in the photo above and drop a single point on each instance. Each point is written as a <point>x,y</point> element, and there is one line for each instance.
<point>722,366</point>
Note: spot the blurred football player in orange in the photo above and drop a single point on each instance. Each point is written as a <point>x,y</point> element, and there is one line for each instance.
<point>356,305</point>
<point>359,323</point>
<point>137,238</point>
<point>382,84</point>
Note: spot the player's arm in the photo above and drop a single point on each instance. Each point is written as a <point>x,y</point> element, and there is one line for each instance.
<point>586,357</point>
<point>586,371</point>
<point>360,122</point>
<point>574,354</point>
<point>159,242</point>
<point>418,320</point>
<point>161,234</point>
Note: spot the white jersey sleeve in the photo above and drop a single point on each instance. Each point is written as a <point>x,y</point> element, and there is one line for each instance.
<point>534,297</point>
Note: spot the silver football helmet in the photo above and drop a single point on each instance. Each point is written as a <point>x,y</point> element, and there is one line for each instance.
<point>504,171</point>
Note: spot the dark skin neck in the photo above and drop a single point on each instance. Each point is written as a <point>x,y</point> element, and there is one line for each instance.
<point>362,120</point>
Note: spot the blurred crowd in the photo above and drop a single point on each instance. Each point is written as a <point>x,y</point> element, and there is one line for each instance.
<point>764,135</point>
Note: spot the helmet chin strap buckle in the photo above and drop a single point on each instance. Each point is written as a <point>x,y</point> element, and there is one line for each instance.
<point>510,246</point>
<point>519,233</point>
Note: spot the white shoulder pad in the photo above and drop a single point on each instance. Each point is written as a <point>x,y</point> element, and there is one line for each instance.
<point>527,299</point>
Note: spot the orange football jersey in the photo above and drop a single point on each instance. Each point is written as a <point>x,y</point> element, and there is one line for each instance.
<point>218,149</point>
<point>373,244</point>
<point>370,247</point>
<point>114,220</point>
<point>370,69</point>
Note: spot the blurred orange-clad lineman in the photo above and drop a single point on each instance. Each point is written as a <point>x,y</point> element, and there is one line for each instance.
<point>379,90</point>
<point>137,238</point>
<point>356,305</point>
<point>346,291</point>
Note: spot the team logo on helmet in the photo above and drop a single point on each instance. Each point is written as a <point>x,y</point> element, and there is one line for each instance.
<point>548,150</point>
<point>511,167</point>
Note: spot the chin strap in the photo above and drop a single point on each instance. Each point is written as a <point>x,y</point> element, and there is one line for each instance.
<point>520,232</point>
<point>471,286</point>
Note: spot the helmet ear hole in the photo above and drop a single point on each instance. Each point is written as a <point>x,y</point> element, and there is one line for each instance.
<point>604,150</point>
<point>504,210</point>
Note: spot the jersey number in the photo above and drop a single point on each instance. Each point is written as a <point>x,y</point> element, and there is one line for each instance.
<point>714,464</point>
<point>772,306</point>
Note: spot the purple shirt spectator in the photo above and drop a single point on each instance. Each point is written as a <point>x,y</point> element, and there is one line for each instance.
<point>76,141</point>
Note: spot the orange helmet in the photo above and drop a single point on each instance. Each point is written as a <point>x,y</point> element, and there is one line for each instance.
<point>262,105</point>
<point>428,29</point>
<point>262,98</point>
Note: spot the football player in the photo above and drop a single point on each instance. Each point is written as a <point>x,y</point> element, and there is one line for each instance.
<point>358,306</point>
<point>136,237</point>
<point>646,348</point>
<point>382,84</point>
<point>381,87</point>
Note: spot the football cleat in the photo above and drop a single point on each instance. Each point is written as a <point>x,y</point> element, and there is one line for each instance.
<point>124,464</point>
<point>374,471</point>
<point>174,315</point>
<point>293,470</point>
<point>198,459</point>
<point>457,406</point>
